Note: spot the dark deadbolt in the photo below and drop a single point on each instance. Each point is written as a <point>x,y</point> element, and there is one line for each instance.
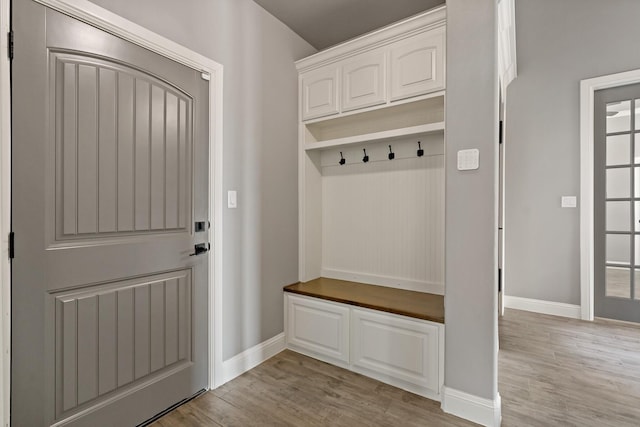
<point>201,248</point>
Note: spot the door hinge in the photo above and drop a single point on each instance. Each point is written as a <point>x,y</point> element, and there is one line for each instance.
<point>499,280</point>
<point>10,44</point>
<point>500,133</point>
<point>12,245</point>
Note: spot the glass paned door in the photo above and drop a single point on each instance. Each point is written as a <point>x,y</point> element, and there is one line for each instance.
<point>617,203</point>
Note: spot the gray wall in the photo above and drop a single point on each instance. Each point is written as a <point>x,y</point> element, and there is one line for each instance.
<point>260,146</point>
<point>471,199</point>
<point>559,42</point>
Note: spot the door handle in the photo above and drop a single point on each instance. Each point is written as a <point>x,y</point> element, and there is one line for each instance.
<point>201,248</point>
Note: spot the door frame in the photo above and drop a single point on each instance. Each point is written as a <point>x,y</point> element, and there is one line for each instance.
<point>103,19</point>
<point>5,214</point>
<point>587,90</point>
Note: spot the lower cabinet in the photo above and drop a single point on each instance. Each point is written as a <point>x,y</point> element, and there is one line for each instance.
<point>404,352</point>
<point>318,329</point>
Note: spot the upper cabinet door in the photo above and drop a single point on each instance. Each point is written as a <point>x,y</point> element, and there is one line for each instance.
<point>417,65</point>
<point>320,92</point>
<point>364,81</point>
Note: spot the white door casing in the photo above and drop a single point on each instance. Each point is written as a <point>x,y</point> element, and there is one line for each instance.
<point>105,20</point>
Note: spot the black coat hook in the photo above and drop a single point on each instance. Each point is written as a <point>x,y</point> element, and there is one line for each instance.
<point>342,160</point>
<point>420,150</point>
<point>365,159</point>
<point>392,155</point>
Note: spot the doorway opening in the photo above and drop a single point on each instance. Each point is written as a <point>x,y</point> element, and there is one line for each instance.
<point>591,251</point>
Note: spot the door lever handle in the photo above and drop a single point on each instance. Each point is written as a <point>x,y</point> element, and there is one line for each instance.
<point>201,248</point>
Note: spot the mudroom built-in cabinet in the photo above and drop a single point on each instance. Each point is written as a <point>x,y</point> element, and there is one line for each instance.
<point>371,205</point>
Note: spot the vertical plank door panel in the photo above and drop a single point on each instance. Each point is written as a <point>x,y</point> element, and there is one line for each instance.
<point>142,156</point>
<point>87,150</point>
<point>107,170</point>
<point>126,180</point>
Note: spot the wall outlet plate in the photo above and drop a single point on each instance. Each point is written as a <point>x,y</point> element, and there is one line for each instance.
<point>569,202</point>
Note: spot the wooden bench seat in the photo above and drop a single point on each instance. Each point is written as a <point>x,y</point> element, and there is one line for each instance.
<point>418,305</point>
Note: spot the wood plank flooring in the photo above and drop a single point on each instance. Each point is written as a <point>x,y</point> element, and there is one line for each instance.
<point>552,372</point>
<point>563,372</point>
<point>294,390</point>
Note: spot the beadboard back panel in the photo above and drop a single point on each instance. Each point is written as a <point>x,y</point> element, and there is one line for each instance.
<point>383,221</point>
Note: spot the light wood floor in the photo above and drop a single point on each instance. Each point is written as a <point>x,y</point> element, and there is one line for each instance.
<point>552,372</point>
<point>562,372</point>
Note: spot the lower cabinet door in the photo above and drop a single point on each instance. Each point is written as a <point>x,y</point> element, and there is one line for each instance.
<point>318,329</point>
<point>395,349</point>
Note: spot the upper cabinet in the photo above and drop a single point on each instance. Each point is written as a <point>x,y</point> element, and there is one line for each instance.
<point>319,92</point>
<point>417,65</point>
<point>401,61</point>
<point>364,81</point>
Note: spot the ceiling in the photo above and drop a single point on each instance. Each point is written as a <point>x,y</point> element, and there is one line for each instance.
<point>324,23</point>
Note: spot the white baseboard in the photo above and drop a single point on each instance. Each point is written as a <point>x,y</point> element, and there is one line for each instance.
<point>543,307</point>
<point>249,359</point>
<point>485,412</point>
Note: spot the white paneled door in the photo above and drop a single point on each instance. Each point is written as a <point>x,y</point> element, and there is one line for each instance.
<point>110,176</point>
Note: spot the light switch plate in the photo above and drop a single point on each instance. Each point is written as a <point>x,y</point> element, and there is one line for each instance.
<point>232,199</point>
<point>468,159</point>
<point>569,202</point>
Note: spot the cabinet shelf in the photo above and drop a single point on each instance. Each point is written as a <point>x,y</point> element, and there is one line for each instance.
<point>422,116</point>
<point>382,136</point>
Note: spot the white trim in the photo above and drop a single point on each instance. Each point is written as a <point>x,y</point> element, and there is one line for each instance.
<point>103,19</point>
<point>249,359</point>
<point>215,231</point>
<point>587,89</point>
<point>5,216</point>
<point>507,64</point>
<point>421,22</point>
<point>571,311</point>
<point>485,412</point>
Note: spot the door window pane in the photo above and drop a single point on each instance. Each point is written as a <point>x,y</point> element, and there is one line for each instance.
<point>618,216</point>
<point>618,183</point>
<point>618,248</point>
<point>636,285</point>
<point>618,150</point>
<point>637,105</point>
<point>636,151</point>
<point>618,116</point>
<point>618,282</point>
